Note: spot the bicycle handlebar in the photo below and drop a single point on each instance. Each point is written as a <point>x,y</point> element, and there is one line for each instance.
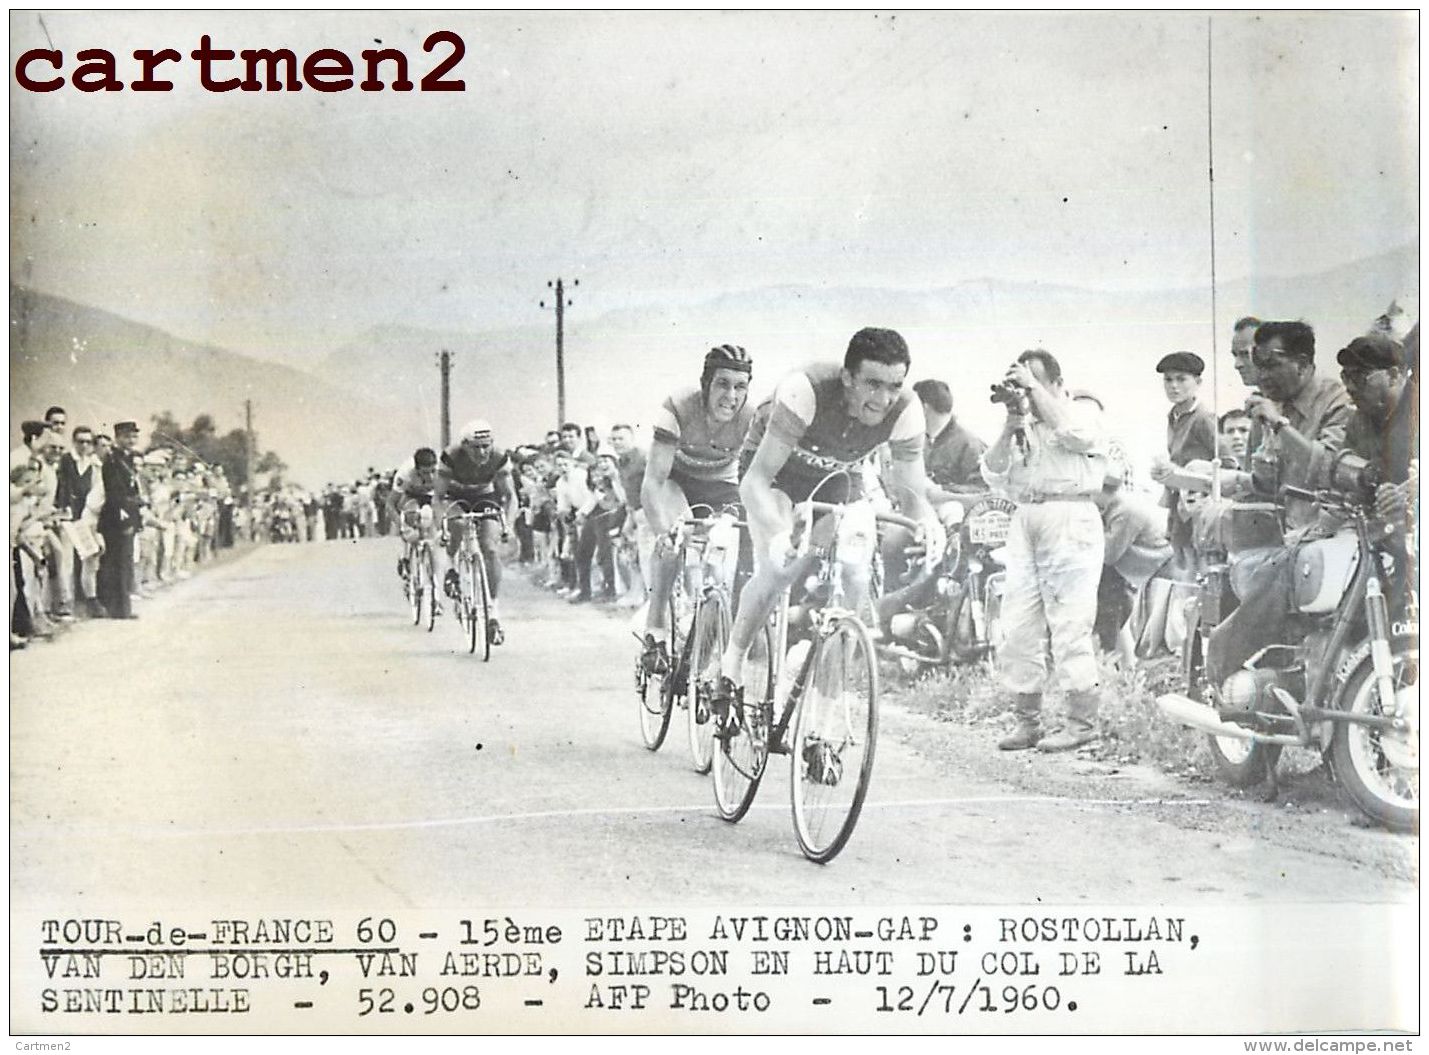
<point>884,518</point>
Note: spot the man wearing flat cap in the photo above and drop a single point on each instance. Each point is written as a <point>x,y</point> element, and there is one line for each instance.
<point>119,519</point>
<point>1190,436</point>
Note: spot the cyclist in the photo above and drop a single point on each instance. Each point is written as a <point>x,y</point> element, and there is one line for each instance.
<point>477,472</point>
<point>820,420</point>
<point>413,482</point>
<point>693,460</point>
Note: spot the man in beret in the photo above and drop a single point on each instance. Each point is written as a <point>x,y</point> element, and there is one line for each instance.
<point>119,519</point>
<point>1190,436</point>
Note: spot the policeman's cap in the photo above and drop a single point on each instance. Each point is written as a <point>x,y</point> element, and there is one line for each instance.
<point>126,427</point>
<point>1182,363</point>
<point>1374,351</point>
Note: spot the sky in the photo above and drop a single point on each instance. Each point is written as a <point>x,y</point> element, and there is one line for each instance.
<point>670,157</point>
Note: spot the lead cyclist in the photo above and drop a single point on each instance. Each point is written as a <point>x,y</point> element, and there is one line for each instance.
<point>808,441</point>
<point>476,472</point>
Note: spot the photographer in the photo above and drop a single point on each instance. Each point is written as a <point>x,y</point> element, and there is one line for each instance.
<point>1049,458</point>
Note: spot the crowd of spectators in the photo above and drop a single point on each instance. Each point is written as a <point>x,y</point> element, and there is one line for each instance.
<point>95,524</point>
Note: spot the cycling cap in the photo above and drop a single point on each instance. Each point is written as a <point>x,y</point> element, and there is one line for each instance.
<point>728,357</point>
<point>425,457</point>
<point>475,429</point>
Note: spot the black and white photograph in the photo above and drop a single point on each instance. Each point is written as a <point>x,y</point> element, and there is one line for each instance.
<point>714,522</point>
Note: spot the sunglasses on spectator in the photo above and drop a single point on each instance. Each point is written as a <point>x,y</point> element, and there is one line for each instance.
<point>1359,373</point>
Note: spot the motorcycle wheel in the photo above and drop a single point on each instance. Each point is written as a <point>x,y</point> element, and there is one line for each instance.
<point>1242,763</point>
<point>1379,770</point>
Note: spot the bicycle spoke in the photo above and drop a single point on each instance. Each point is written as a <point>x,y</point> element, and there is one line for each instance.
<point>835,731</point>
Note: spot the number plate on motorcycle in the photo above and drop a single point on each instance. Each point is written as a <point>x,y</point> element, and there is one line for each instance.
<point>989,529</point>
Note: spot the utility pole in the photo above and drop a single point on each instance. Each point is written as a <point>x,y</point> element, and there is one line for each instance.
<point>248,446</point>
<point>446,364</point>
<point>561,304</point>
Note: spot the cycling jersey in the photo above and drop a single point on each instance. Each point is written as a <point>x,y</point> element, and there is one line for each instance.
<point>466,478</point>
<point>414,483</point>
<point>704,450</point>
<point>809,411</point>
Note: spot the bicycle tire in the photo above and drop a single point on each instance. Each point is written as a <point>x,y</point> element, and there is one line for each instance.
<point>741,759</point>
<point>826,731</point>
<point>656,702</point>
<point>710,635</point>
<point>412,587</point>
<point>429,580</point>
<point>480,630</point>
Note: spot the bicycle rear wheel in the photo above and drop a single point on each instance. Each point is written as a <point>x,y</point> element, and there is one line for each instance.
<point>835,732</point>
<point>711,637</point>
<point>740,758</point>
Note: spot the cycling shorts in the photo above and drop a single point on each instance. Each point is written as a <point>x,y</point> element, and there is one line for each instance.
<point>713,493</point>
<point>801,486</point>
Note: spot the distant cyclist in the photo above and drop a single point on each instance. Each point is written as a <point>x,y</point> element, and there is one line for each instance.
<point>476,472</point>
<point>810,441</point>
<point>413,482</point>
<point>693,460</point>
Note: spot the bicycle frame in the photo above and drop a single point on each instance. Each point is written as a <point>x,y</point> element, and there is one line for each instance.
<point>832,573</point>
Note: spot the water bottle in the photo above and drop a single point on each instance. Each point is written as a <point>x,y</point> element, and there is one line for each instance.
<point>793,666</point>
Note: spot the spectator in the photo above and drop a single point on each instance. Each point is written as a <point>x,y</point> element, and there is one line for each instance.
<point>27,529</point>
<point>573,443</point>
<point>572,495</point>
<point>1049,459</point>
<point>635,532</point>
<point>1190,434</point>
<point>952,453</point>
<point>118,521</point>
<point>1384,429</point>
<point>1242,345</point>
<point>1136,549</point>
<point>600,518</point>
<point>55,420</point>
<point>1235,429</point>
<point>81,496</point>
<point>1315,408</point>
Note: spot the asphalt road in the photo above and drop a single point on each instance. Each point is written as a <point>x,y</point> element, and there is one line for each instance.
<point>274,732</point>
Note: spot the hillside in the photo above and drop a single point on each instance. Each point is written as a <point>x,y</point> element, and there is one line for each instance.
<point>618,364</point>
<point>372,399</point>
<point>103,369</point>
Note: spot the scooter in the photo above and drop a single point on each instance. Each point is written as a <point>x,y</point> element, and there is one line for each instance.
<point>1344,678</point>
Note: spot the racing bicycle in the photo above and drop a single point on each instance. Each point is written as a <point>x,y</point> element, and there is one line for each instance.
<point>472,604</point>
<point>817,702</point>
<point>697,624</point>
<point>417,568</point>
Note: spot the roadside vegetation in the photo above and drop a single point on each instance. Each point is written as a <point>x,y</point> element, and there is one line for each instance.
<point>1134,731</point>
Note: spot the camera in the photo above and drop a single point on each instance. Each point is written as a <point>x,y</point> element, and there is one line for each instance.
<point>1353,476</point>
<point>1010,394</point>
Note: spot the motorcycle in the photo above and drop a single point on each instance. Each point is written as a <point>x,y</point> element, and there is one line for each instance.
<point>1343,679</point>
<point>952,612</point>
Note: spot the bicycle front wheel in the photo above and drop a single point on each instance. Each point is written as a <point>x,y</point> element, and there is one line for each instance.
<point>711,637</point>
<point>835,731</point>
<point>742,750</point>
<point>478,611</point>
<point>412,584</point>
<point>426,576</point>
<point>656,690</point>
